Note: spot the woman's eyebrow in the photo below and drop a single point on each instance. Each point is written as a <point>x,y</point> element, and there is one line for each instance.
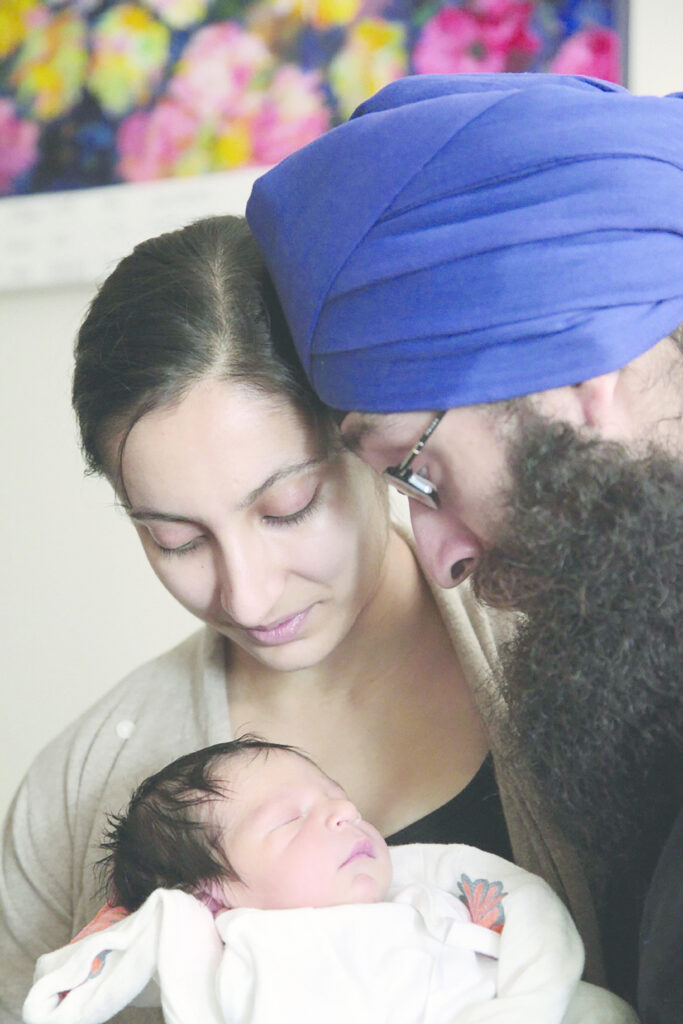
<point>279,474</point>
<point>144,515</point>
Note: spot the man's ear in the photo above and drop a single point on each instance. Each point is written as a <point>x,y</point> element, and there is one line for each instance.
<point>594,403</point>
<point>598,398</point>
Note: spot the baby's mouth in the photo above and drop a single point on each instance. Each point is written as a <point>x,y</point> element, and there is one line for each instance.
<point>363,848</point>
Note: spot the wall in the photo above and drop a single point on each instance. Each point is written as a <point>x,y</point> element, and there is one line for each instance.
<point>79,604</point>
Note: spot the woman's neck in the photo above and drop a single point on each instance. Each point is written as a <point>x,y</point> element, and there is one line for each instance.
<point>388,635</point>
<point>388,714</point>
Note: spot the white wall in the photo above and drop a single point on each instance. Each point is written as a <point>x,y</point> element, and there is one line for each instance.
<point>79,605</point>
<point>655,46</point>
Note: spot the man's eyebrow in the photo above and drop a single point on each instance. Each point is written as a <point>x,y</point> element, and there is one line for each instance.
<point>365,425</point>
<point>145,515</point>
<point>354,435</point>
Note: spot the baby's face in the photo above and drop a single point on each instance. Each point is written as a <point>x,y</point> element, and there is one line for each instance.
<point>295,840</point>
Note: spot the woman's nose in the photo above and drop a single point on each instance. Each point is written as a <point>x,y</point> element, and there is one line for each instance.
<point>250,586</point>
<point>448,549</point>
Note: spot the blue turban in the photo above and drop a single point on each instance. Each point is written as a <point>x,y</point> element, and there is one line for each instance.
<point>470,238</point>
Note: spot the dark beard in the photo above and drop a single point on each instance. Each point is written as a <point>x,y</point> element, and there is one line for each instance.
<point>592,554</point>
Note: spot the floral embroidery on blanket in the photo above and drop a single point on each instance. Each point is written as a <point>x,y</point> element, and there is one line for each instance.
<point>96,968</point>
<point>484,900</point>
<point>107,915</point>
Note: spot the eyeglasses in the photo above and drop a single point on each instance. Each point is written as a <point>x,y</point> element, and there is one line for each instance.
<point>413,485</point>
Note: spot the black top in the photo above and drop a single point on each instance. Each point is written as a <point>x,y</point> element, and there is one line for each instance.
<point>648,897</point>
<point>660,979</point>
<point>474,817</point>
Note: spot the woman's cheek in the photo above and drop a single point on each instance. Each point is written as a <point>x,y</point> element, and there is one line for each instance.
<point>332,544</point>
<point>190,579</point>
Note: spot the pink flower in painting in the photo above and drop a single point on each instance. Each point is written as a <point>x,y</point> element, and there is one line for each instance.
<point>487,35</point>
<point>18,145</point>
<point>292,114</point>
<point>216,68</point>
<point>505,25</point>
<point>593,51</point>
<point>151,144</point>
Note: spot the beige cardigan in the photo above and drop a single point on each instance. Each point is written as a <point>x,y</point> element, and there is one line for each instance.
<point>476,633</point>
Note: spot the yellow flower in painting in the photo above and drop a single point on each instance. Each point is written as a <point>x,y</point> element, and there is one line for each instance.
<point>193,161</point>
<point>13,23</point>
<point>50,66</point>
<point>334,12</point>
<point>129,53</point>
<point>179,13</point>
<point>232,146</point>
<point>373,55</point>
<point>320,13</point>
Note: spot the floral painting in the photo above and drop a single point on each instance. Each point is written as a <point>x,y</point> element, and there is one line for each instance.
<point>94,92</point>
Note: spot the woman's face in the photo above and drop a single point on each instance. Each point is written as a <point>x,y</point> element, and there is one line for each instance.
<point>248,525</point>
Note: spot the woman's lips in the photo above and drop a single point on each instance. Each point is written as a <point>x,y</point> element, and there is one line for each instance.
<point>280,633</point>
<point>363,848</point>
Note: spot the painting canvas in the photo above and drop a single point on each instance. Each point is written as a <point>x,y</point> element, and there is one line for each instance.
<point>101,92</point>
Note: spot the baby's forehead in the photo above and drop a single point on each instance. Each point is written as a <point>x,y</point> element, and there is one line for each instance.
<point>266,775</point>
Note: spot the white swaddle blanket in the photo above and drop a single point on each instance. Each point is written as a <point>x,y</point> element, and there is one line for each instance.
<point>416,959</point>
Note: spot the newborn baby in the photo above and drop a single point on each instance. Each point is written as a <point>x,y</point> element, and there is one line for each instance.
<point>253,891</point>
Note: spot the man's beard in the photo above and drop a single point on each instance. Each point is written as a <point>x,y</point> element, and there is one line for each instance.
<point>592,554</point>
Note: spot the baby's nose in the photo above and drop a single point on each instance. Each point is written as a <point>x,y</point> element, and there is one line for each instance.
<point>342,813</point>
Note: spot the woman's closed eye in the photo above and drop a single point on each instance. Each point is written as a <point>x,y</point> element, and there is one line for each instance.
<point>177,539</point>
<point>182,549</point>
<point>295,517</point>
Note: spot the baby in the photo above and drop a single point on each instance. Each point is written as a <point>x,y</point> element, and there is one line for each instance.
<point>246,824</point>
<point>253,891</point>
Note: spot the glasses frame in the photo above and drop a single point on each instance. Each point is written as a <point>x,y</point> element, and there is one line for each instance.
<point>412,484</point>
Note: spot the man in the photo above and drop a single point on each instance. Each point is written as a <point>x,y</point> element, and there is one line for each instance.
<point>484,274</point>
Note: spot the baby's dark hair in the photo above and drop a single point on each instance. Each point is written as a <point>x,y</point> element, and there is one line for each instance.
<point>165,838</point>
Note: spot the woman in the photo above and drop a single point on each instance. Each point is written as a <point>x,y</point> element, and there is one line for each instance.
<point>320,629</point>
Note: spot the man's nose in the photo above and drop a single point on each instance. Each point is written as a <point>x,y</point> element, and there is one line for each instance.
<point>448,549</point>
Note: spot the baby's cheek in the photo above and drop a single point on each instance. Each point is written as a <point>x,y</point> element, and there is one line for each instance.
<point>306,885</point>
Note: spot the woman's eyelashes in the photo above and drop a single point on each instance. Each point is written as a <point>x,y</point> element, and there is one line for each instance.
<point>282,519</point>
<point>184,549</point>
<point>296,517</point>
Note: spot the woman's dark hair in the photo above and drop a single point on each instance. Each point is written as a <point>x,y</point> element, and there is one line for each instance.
<point>189,305</point>
<point>165,838</point>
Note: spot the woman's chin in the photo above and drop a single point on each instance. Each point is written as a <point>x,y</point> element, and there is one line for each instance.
<point>295,656</point>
